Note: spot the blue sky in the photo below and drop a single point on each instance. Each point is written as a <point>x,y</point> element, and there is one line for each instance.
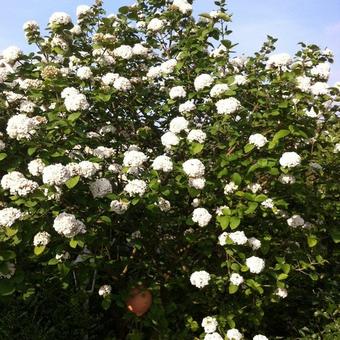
<point>291,21</point>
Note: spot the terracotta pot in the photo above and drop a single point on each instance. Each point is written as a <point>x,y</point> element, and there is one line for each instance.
<point>139,301</point>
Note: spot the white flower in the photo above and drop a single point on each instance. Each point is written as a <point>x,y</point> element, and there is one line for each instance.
<point>201,216</point>
<point>60,18</point>
<point>196,135</point>
<point>187,106</point>
<point>83,10</point>
<point>11,54</point>
<point>155,25</point>
<point>290,160</point>
<point>8,216</point>
<point>197,183</point>
<point>122,84</point>
<point>321,70</point>
<point>213,336</point>
<point>17,184</point>
<point>119,207</point>
<point>230,188</point>
<point>109,78</point>
<point>105,290</point>
<point>140,50</point>
<point>100,187</point>
<point>178,124</point>
<point>280,60</point>
<point>27,106</point>
<point>183,6</point>
<point>238,237</point>
<point>77,102</point>
<point>209,324</point>
<point>303,83</point>
<point>222,239</point>
<point>218,89</point>
<point>202,81</point>
<point>88,169</point>
<point>169,139</point>
<point>281,292</point>
<point>103,152</point>
<point>154,72</point>
<point>84,73</point>
<point>177,92</point>
<point>2,145</point>
<point>67,225</point>
<point>234,334</point>
<point>200,278</point>
<point>21,127</point>
<point>287,179</point>
<point>195,202</point>
<point>219,51</point>
<point>194,168</point>
<point>240,79</point>
<point>123,51</point>
<point>69,91</point>
<point>55,174</point>
<point>311,113</point>
<point>319,88</point>
<point>336,148</point>
<point>295,221</point>
<point>134,158</point>
<point>31,26</point>
<point>258,140</point>
<point>255,264</point>
<point>163,204</point>
<point>135,187</point>
<point>227,106</point>
<point>236,279</point>
<point>168,66</point>
<point>260,337</point>
<point>254,243</point>
<point>268,203</point>
<point>41,239</point>
<point>254,187</point>
<point>162,163</point>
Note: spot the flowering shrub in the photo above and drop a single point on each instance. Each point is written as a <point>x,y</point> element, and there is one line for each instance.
<point>138,151</point>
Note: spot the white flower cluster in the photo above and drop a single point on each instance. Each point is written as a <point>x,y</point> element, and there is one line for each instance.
<point>60,18</point>
<point>84,73</point>
<point>135,187</point>
<point>155,25</point>
<point>183,6</point>
<point>260,337</point>
<point>119,207</point>
<point>8,216</point>
<point>281,292</point>
<point>42,238</point>
<point>238,237</point>
<point>209,324</point>
<point>74,100</point>
<point>169,139</point>
<point>177,92</point>
<point>55,174</point>
<point>236,279</point>
<point>163,204</point>
<point>123,51</point>
<point>134,158</point>
<point>201,216</point>
<point>202,81</point>
<point>178,124</point>
<point>196,135</point>
<point>213,336</point>
<point>100,187</point>
<point>83,10</point>
<point>295,221</point>
<point>17,184</point>
<point>219,89</point>
<point>200,278</point>
<point>22,127</point>
<point>11,54</point>
<point>122,84</point>
<point>268,203</point>
<point>287,179</point>
<point>229,188</point>
<point>321,70</point>
<point>105,290</point>
<point>258,140</point>
<point>67,225</point>
<point>227,106</point>
<point>36,167</point>
<point>290,160</point>
<point>281,61</point>
<point>194,168</point>
<point>162,163</point>
<point>234,334</point>
<point>255,264</point>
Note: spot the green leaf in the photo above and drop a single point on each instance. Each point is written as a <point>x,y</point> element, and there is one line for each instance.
<point>6,255</point>
<point>124,9</point>
<point>3,156</point>
<point>248,148</point>
<point>106,303</point>
<point>233,289</point>
<point>53,261</point>
<point>236,178</point>
<point>31,151</point>
<point>234,222</point>
<point>285,268</point>
<point>196,148</point>
<point>282,276</point>
<point>6,287</point>
<point>73,243</point>
<point>335,234</point>
<point>278,135</point>
<point>312,241</point>
<point>251,207</point>
<point>38,250</point>
<point>72,182</point>
<point>74,116</point>
<point>224,221</point>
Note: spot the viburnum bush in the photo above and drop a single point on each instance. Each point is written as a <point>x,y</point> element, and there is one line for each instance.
<point>139,154</point>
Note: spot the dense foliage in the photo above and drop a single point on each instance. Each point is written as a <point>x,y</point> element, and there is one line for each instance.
<point>137,152</point>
